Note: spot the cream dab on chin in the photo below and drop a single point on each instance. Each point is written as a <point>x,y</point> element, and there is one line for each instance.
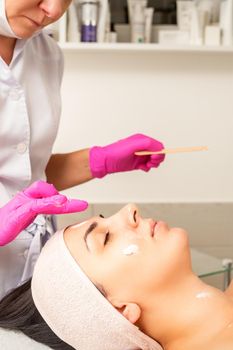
<point>131,250</point>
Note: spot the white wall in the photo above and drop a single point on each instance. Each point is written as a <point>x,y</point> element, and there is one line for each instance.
<point>183,99</point>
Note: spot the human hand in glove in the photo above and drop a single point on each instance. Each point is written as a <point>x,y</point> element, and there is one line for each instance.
<point>39,198</point>
<point>119,156</point>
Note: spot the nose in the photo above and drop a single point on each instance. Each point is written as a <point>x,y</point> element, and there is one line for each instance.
<point>52,8</point>
<point>131,214</point>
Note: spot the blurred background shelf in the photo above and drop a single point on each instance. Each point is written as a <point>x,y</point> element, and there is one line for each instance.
<point>165,18</point>
<point>128,47</point>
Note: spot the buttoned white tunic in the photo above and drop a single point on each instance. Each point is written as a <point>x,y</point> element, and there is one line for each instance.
<point>30,107</point>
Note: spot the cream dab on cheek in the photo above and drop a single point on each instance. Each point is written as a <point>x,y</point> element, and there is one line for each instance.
<point>131,250</point>
<point>203,295</point>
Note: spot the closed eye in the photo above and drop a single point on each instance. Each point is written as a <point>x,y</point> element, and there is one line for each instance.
<point>106,238</point>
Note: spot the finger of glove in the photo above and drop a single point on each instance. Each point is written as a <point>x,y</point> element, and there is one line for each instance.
<point>72,206</point>
<point>48,204</point>
<point>144,142</point>
<point>157,158</point>
<point>152,164</point>
<point>139,142</point>
<point>40,189</point>
<point>143,167</point>
<point>155,161</point>
<point>159,146</point>
<point>59,205</point>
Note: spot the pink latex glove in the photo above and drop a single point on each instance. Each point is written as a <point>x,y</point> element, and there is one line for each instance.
<point>119,156</point>
<point>39,198</point>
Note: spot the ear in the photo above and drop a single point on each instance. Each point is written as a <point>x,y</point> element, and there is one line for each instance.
<point>130,311</point>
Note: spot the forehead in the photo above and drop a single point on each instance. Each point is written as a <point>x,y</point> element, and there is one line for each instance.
<point>77,230</point>
<point>73,237</point>
<point>74,234</point>
<point>80,225</point>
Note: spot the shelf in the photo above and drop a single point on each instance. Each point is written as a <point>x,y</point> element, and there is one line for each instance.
<point>127,47</point>
<point>206,265</point>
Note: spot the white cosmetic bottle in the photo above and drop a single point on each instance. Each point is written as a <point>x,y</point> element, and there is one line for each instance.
<point>199,21</point>
<point>103,18</point>
<point>73,32</point>
<point>138,22</point>
<point>148,23</point>
<point>184,14</point>
<point>226,22</point>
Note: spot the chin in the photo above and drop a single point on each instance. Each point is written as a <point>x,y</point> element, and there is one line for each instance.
<point>24,34</point>
<point>22,29</point>
<point>181,236</point>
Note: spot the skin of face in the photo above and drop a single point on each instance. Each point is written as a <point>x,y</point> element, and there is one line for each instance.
<point>162,258</point>
<point>26,17</point>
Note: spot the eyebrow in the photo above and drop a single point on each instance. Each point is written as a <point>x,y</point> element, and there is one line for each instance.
<point>88,231</point>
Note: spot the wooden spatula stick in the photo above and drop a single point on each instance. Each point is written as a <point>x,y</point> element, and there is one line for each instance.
<point>173,150</point>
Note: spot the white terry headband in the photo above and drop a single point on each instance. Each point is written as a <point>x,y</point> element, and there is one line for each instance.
<point>5,28</point>
<point>75,309</point>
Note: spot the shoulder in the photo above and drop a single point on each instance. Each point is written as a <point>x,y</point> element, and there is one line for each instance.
<point>11,340</point>
<point>44,44</point>
<point>44,50</point>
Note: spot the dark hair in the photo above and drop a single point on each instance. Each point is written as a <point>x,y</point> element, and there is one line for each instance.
<point>18,312</point>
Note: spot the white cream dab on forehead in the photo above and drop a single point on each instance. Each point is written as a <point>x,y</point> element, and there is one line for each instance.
<point>131,250</point>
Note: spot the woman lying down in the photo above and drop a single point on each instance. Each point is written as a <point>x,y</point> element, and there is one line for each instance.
<point>120,283</point>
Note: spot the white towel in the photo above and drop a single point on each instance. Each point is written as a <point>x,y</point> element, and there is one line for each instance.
<point>74,308</point>
<point>10,340</point>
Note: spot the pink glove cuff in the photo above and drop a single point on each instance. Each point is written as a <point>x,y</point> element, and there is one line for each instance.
<point>97,162</point>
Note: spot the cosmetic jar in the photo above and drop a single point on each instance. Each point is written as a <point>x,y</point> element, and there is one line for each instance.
<point>89,19</point>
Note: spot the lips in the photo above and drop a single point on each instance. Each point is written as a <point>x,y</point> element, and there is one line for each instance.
<point>34,22</point>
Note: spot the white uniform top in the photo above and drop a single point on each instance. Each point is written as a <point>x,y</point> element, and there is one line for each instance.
<point>30,107</point>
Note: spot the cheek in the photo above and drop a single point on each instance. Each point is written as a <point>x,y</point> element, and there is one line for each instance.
<point>145,267</point>
<point>140,268</point>
<point>121,268</point>
<point>11,9</point>
<point>66,4</point>
<point>129,264</point>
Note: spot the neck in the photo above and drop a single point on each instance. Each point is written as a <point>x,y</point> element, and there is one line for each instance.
<point>188,315</point>
<point>7,46</point>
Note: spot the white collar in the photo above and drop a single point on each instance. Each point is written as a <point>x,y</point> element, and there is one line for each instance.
<point>5,28</point>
